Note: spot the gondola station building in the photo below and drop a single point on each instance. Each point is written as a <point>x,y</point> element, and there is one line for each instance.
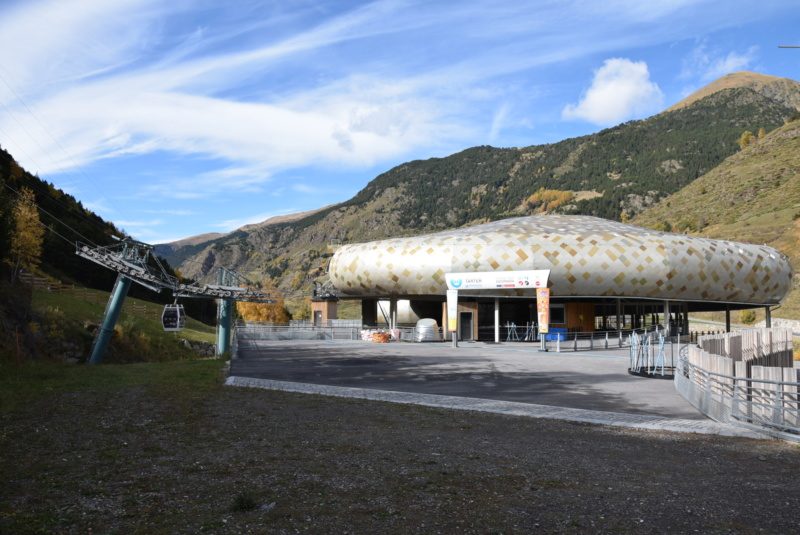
<point>601,275</point>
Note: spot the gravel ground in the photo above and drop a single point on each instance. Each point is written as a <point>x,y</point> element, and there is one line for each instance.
<point>251,461</point>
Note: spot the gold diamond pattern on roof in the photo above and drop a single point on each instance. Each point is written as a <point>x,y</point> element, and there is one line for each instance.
<point>586,256</point>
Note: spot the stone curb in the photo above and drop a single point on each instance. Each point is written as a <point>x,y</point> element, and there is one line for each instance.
<point>617,419</point>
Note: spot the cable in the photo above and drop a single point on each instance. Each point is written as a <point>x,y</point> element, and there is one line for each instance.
<point>34,186</point>
<point>71,242</point>
<point>49,133</point>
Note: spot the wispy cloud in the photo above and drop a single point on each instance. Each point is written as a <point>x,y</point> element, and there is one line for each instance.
<point>621,89</point>
<point>708,63</point>
<point>203,103</point>
<point>233,224</point>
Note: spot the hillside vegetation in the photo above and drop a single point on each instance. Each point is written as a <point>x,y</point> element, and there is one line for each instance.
<point>753,196</point>
<point>622,169</point>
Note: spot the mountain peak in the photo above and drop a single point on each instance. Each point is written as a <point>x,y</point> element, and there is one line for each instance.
<point>782,89</point>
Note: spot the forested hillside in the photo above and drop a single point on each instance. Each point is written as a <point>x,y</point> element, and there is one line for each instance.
<point>615,173</point>
<point>66,222</point>
<point>754,196</point>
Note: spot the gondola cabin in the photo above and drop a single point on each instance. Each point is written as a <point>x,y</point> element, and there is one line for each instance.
<point>173,319</point>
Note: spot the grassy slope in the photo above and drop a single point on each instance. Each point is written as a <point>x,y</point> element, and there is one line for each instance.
<point>753,197</point>
<point>62,318</point>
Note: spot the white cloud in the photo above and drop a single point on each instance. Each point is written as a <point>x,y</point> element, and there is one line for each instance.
<point>498,121</point>
<point>233,224</point>
<point>621,89</point>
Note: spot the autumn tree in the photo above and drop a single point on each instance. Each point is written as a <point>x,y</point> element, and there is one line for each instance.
<point>27,235</point>
<point>747,316</point>
<point>747,137</point>
<point>305,310</point>
<point>271,312</point>
<point>547,200</point>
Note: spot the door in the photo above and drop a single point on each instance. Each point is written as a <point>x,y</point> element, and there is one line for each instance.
<point>465,325</point>
<point>318,317</point>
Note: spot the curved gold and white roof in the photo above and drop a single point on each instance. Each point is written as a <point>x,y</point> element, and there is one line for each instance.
<point>586,256</point>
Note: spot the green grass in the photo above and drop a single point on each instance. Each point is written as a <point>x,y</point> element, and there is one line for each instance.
<point>23,384</point>
<point>81,310</point>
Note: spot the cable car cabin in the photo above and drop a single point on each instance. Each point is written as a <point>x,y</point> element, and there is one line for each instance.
<point>173,318</point>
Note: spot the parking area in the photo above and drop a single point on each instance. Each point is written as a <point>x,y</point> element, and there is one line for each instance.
<point>597,380</point>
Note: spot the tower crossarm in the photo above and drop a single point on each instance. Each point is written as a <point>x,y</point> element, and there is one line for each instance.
<point>128,259</point>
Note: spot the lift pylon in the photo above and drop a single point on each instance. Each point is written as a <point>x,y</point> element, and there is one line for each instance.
<point>130,259</point>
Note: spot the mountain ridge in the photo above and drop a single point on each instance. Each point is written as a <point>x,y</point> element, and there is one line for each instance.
<point>772,86</point>
<point>625,168</point>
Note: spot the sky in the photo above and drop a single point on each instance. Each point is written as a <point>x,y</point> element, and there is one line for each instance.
<point>174,118</point>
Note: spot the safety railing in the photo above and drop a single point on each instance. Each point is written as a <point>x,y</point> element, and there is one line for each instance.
<point>768,405</point>
<point>247,333</point>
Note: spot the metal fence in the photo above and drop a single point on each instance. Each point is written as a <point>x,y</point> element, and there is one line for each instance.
<point>768,399</point>
<point>246,332</point>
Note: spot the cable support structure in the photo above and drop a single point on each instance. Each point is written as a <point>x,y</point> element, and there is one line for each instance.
<point>130,258</point>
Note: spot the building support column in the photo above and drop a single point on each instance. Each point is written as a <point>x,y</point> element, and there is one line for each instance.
<point>224,326</point>
<point>768,322</point>
<point>619,312</point>
<point>393,312</point>
<point>685,327</point>
<point>727,318</point>
<point>667,318</point>
<point>496,320</point>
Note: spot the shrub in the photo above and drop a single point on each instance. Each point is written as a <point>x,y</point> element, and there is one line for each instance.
<point>747,316</point>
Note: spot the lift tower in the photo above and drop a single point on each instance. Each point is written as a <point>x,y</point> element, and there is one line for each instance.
<point>130,259</point>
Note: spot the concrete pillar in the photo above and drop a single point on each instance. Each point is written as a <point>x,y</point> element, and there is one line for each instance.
<point>497,320</point>
<point>393,312</point>
<point>667,317</point>
<point>619,312</point>
<point>224,326</point>
<point>768,313</point>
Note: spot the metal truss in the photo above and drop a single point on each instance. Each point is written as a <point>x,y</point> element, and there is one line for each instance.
<point>130,258</point>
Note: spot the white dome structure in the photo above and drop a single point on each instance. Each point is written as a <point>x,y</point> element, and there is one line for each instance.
<point>603,275</point>
<point>587,257</point>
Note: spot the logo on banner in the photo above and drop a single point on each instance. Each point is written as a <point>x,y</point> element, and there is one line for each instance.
<point>456,283</point>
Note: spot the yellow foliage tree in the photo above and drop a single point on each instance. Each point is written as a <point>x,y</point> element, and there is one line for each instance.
<point>274,312</point>
<point>547,200</point>
<point>25,249</point>
<point>747,137</point>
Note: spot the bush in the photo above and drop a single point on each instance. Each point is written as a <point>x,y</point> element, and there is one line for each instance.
<point>747,316</point>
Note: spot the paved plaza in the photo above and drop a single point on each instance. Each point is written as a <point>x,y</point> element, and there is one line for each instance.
<point>511,378</point>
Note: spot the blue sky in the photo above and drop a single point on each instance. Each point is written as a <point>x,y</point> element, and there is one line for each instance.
<point>179,117</point>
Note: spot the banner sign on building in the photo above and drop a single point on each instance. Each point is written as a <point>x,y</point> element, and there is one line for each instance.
<point>491,280</point>
<point>543,309</point>
<point>452,310</point>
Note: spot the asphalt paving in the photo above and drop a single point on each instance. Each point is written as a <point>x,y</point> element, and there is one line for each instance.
<point>597,380</point>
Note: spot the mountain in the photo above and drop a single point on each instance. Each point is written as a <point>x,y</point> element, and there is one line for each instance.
<point>753,196</point>
<point>622,169</point>
<point>178,252</point>
<point>779,89</point>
